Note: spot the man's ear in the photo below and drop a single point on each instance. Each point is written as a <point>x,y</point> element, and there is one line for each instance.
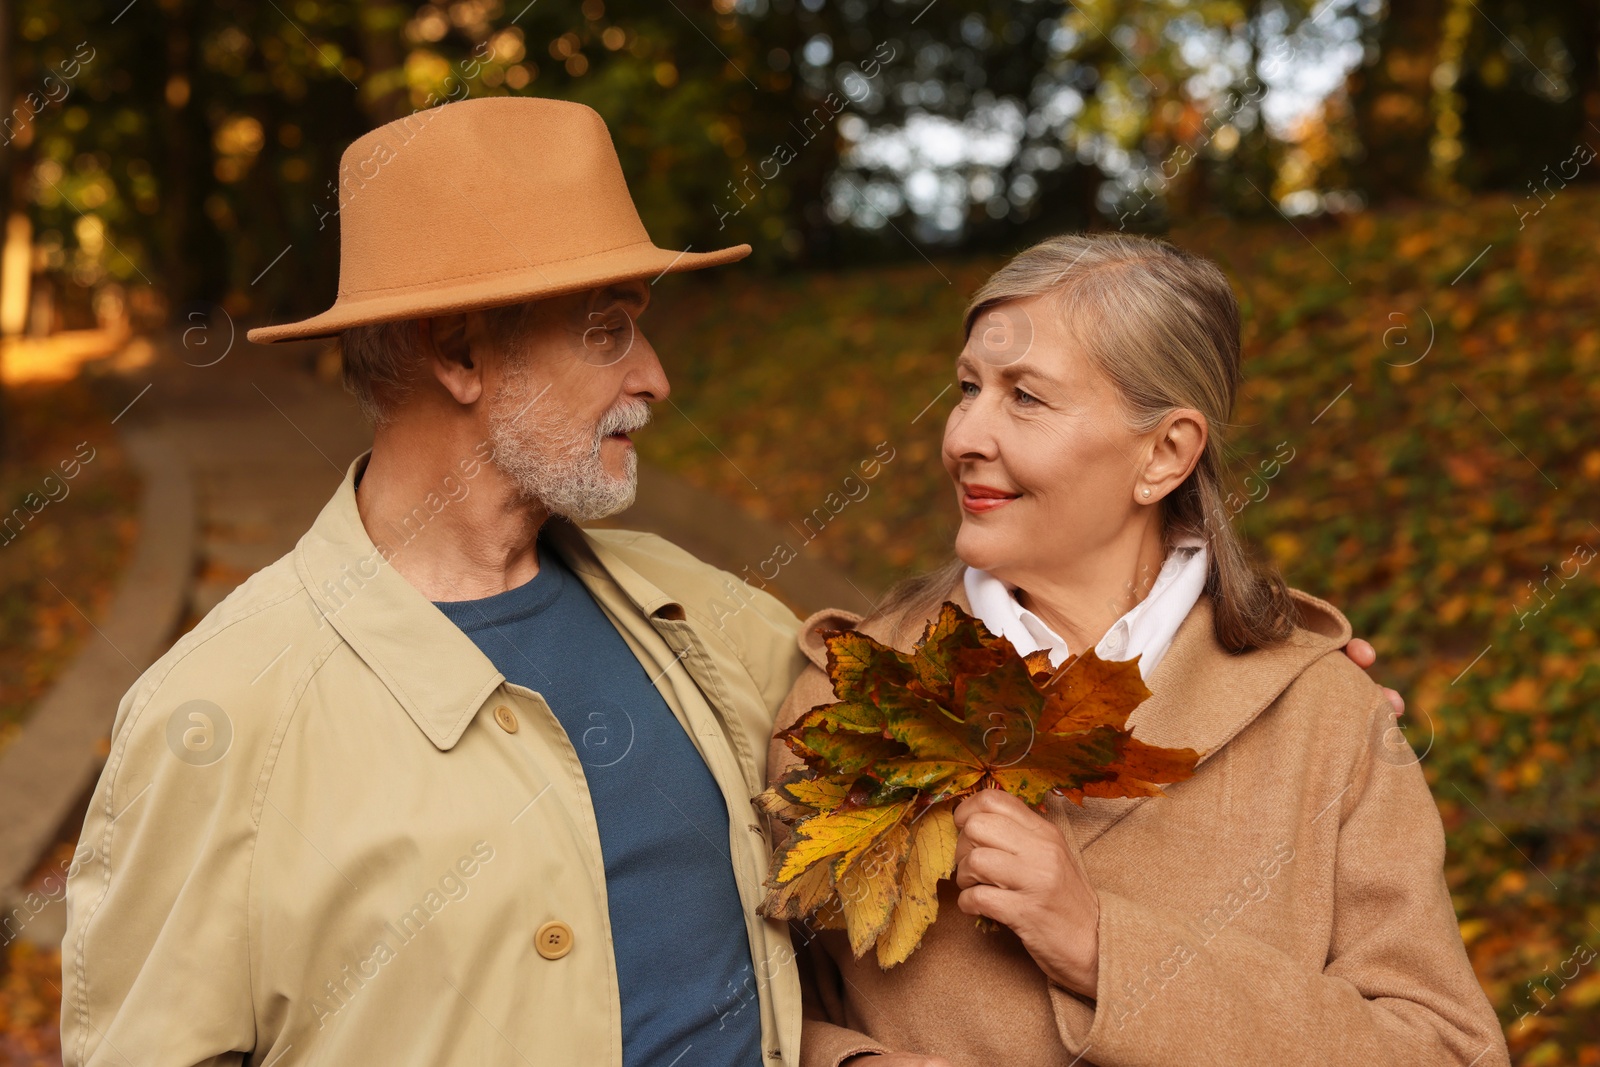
<point>448,348</point>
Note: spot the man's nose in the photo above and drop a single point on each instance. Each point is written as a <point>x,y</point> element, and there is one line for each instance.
<point>647,379</point>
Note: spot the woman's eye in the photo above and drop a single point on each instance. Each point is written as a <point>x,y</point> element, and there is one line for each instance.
<point>1026,399</point>
<point>969,389</point>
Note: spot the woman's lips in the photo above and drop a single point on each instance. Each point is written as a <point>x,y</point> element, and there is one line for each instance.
<point>982,498</point>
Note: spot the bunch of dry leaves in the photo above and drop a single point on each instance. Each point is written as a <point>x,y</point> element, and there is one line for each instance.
<point>870,815</point>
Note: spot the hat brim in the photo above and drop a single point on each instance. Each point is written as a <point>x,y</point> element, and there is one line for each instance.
<point>475,292</point>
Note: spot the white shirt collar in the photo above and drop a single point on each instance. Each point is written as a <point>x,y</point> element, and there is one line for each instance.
<point>1145,631</point>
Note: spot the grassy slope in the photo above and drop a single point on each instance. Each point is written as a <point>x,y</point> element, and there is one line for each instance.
<point>1422,499</point>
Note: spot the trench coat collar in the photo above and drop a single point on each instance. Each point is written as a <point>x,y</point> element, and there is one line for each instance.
<point>1202,695</point>
<point>431,667</point>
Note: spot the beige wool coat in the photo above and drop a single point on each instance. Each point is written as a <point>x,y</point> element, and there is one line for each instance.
<point>1285,905</point>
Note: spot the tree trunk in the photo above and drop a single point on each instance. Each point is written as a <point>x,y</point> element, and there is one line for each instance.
<point>179,202</point>
<point>383,89</point>
<point>1391,97</point>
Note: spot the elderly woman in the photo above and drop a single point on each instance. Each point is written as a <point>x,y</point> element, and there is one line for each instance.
<point>1286,904</point>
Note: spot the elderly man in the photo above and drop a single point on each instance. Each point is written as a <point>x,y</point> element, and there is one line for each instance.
<point>456,781</point>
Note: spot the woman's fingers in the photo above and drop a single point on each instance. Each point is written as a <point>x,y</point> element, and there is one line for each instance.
<point>1005,843</point>
<point>988,866</point>
<point>1363,655</point>
<point>994,808</point>
<point>987,800</point>
<point>988,901</point>
<point>1361,652</point>
<point>1008,907</point>
<point>1035,865</point>
<point>989,830</point>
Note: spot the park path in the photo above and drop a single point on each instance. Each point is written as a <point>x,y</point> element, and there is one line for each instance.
<point>267,443</point>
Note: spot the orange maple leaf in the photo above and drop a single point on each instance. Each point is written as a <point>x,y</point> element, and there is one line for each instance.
<point>908,736</point>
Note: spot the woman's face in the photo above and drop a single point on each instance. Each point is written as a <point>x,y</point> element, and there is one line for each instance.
<point>1044,466</point>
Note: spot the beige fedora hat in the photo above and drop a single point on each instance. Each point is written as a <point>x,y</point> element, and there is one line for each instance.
<point>481,203</point>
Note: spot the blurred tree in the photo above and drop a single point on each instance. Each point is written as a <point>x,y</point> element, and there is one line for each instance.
<point>698,97</point>
<point>1529,82</point>
<point>1468,95</point>
<point>953,114</point>
<point>381,28</point>
<point>1017,118</point>
<point>6,178</point>
<point>1391,95</point>
<point>194,149</point>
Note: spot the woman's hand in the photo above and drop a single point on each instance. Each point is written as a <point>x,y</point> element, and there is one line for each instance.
<point>1014,866</point>
<point>1363,655</point>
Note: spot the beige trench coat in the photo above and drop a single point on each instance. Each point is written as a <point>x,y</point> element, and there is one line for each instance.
<point>330,832</point>
<point>1286,905</point>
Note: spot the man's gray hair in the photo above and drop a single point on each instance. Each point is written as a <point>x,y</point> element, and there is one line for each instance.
<point>379,361</point>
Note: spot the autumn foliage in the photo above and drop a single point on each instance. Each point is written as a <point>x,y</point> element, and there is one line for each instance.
<point>911,735</point>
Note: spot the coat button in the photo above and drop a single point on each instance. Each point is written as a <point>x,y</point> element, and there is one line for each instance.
<point>553,939</point>
<point>506,718</point>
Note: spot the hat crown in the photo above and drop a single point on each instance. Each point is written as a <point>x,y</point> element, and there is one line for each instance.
<point>482,203</point>
<point>477,188</point>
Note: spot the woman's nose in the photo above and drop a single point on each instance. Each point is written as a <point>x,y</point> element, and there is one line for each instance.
<point>969,433</point>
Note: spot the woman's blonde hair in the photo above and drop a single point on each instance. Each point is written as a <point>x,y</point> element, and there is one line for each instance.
<point>1162,325</point>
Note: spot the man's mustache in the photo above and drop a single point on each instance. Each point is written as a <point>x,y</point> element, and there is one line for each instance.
<point>624,418</point>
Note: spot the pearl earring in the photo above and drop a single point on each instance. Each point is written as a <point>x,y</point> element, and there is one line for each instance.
<point>1147,492</point>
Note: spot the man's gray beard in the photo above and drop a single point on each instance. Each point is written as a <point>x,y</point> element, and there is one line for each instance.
<point>552,460</point>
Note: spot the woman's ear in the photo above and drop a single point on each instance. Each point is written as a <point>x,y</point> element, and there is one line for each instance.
<point>447,347</point>
<point>1176,448</point>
